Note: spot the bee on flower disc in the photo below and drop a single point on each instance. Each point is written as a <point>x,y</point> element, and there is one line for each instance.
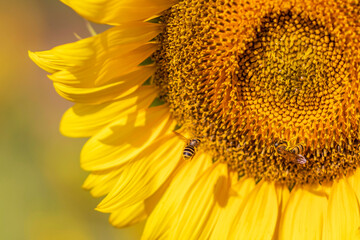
<point>291,153</point>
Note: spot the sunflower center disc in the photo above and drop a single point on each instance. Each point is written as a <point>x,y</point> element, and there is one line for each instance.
<point>264,85</point>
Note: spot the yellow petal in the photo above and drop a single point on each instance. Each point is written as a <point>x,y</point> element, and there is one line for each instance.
<point>354,181</point>
<point>83,120</point>
<point>283,195</point>
<point>195,212</point>
<point>260,211</point>
<point>143,176</point>
<point>125,85</point>
<point>90,50</point>
<point>242,189</point>
<point>304,214</point>
<point>126,216</point>
<point>118,64</point>
<point>159,222</point>
<point>342,220</point>
<point>89,60</point>
<point>124,139</point>
<point>114,12</point>
<point>101,182</point>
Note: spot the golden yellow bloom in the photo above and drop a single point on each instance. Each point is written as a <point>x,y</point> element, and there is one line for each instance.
<point>269,88</point>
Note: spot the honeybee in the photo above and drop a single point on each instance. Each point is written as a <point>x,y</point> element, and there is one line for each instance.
<point>291,153</point>
<point>190,147</point>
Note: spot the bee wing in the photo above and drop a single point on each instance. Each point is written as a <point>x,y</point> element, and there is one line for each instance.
<point>301,159</point>
<point>181,136</point>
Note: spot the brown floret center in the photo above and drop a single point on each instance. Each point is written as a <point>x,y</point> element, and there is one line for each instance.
<point>246,78</point>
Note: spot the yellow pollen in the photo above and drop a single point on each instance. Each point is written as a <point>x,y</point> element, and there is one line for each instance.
<point>250,76</point>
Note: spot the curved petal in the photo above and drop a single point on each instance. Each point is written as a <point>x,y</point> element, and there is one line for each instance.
<point>159,222</point>
<point>242,189</point>
<point>126,216</point>
<point>196,209</point>
<point>83,120</point>
<point>107,70</point>
<point>260,211</point>
<point>144,176</point>
<point>100,58</point>
<point>304,214</point>
<point>115,12</point>
<point>283,195</point>
<point>101,182</point>
<point>124,86</point>
<point>126,138</point>
<point>354,181</point>
<point>342,220</point>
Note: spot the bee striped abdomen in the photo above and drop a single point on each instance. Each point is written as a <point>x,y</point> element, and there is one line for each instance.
<point>189,152</point>
<point>298,149</point>
<point>190,148</point>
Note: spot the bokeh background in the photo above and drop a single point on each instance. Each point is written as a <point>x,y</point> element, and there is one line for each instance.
<point>40,180</point>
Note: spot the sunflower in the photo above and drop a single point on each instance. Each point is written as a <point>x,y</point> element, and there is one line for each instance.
<point>218,119</point>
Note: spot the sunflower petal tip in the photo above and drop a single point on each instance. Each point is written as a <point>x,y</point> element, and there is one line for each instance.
<point>84,186</point>
<point>40,61</point>
<point>67,132</point>
<point>63,128</point>
<point>102,209</point>
<point>66,2</point>
<point>34,57</point>
<point>30,53</point>
<point>83,165</point>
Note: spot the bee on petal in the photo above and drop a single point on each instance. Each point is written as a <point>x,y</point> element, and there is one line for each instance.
<point>190,147</point>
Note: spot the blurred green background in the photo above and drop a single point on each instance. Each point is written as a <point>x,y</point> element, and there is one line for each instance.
<point>40,180</point>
